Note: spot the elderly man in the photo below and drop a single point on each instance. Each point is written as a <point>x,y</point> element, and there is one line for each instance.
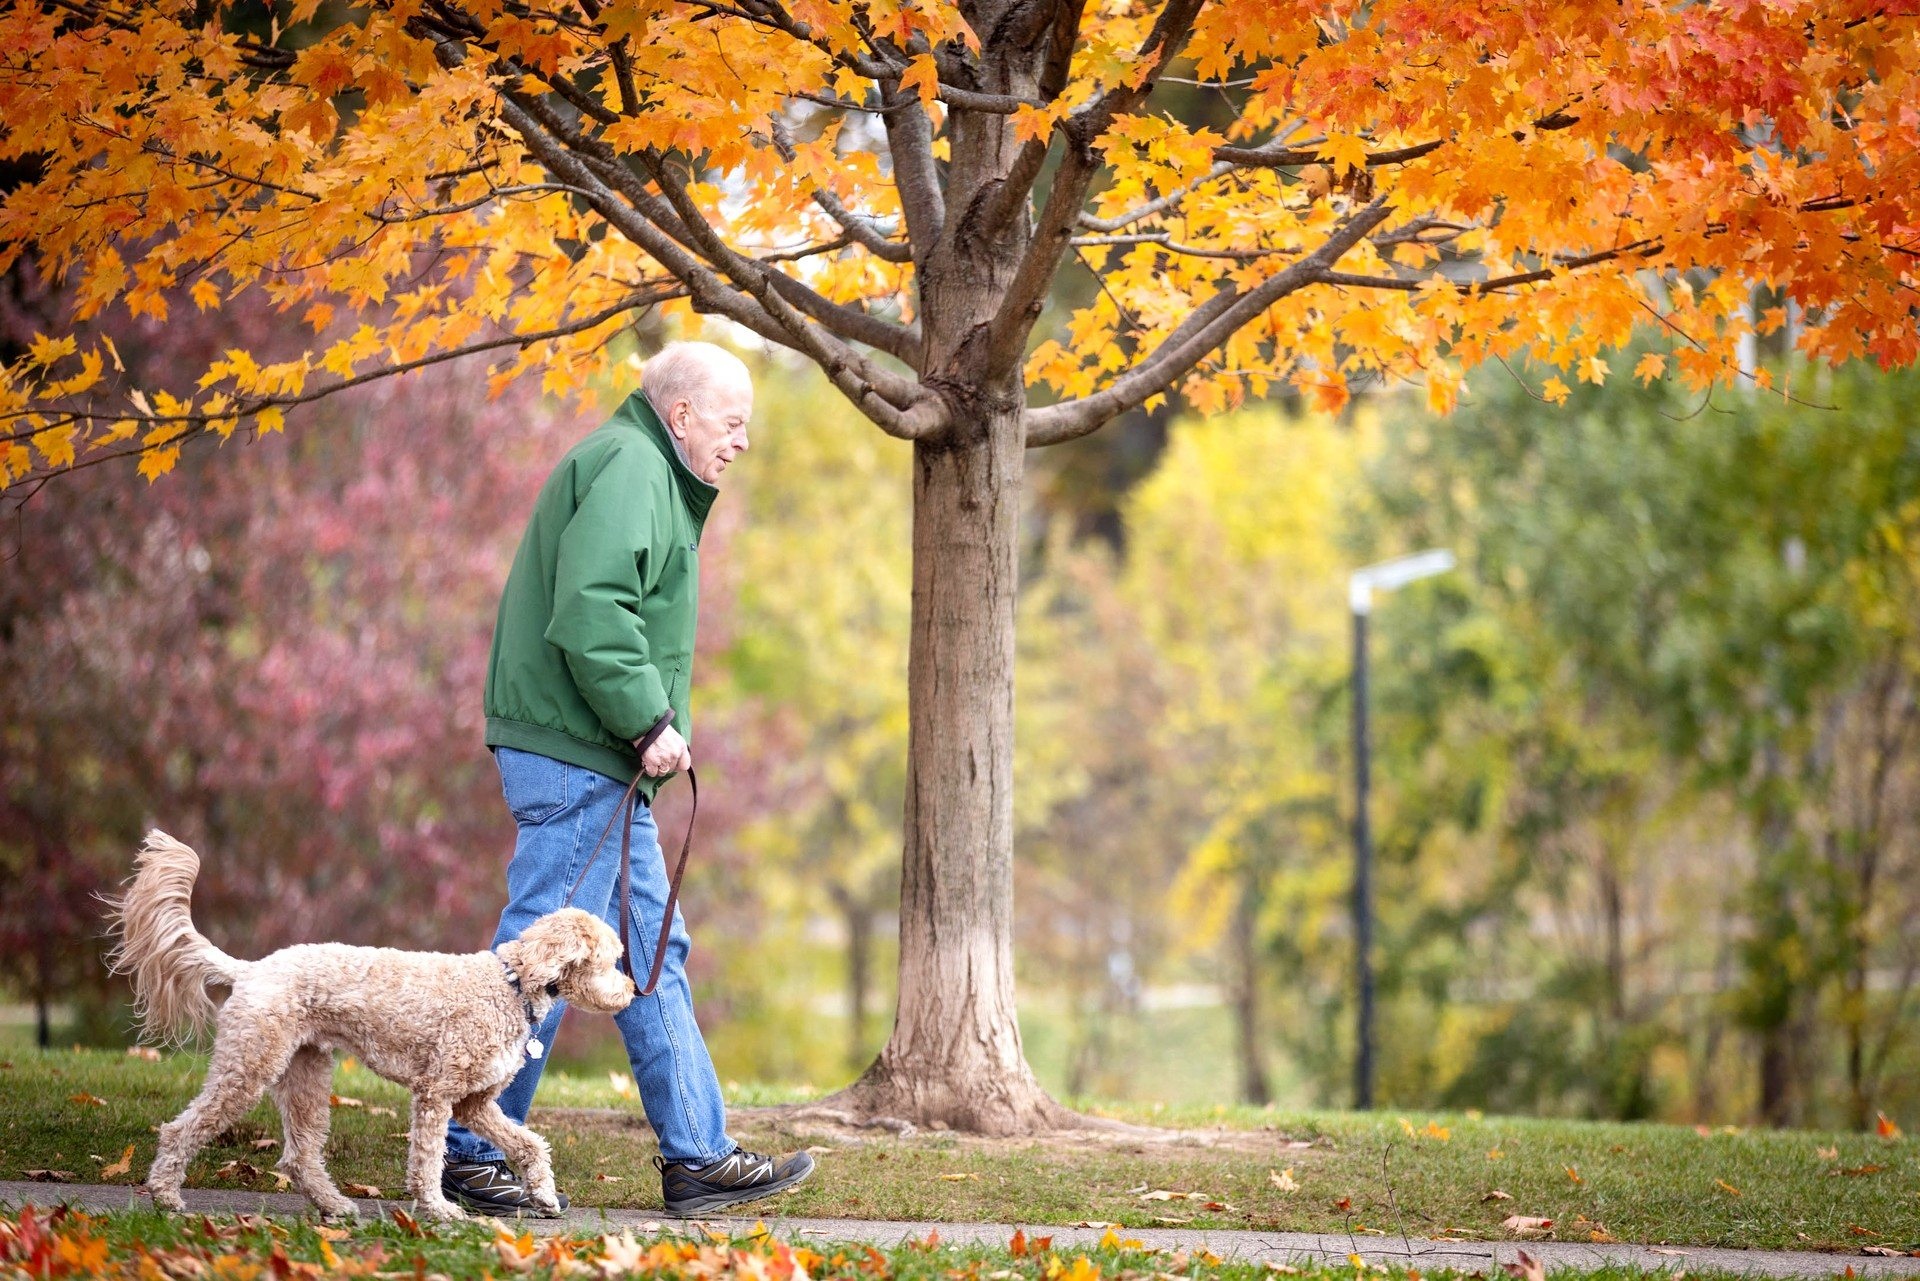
<point>592,647</point>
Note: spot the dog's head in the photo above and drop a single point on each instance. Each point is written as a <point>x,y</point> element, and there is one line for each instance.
<point>576,952</point>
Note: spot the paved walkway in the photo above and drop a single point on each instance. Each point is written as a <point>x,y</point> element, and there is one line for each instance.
<point>1276,1247</point>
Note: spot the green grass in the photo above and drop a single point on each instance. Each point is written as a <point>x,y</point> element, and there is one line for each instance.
<point>1363,1173</point>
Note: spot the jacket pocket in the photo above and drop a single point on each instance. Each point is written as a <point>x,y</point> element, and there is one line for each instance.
<point>535,786</point>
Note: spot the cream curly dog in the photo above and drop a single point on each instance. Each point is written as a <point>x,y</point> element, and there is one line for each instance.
<point>452,1029</point>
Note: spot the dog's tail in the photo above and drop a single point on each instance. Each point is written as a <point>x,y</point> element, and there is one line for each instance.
<point>171,962</point>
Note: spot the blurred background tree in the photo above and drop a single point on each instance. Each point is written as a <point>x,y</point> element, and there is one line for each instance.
<point>1648,777</point>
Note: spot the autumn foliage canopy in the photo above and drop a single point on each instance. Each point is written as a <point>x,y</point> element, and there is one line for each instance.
<point>1270,193</point>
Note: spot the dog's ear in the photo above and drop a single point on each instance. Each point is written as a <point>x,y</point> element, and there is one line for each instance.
<point>553,945</point>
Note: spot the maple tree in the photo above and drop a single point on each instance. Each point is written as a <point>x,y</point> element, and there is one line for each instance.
<point>1387,191</point>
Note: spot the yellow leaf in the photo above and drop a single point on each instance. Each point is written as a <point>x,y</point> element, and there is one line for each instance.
<point>923,77</point>
<point>271,419</point>
<point>1650,366</point>
<point>1728,1188</point>
<point>120,1167</point>
<point>55,445</point>
<point>1555,391</point>
<point>1346,151</point>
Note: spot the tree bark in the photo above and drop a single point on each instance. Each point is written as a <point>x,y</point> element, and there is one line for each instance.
<point>955,1056</point>
<point>1246,990</point>
<point>859,917</point>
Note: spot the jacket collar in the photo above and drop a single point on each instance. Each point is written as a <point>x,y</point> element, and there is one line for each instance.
<point>699,495</point>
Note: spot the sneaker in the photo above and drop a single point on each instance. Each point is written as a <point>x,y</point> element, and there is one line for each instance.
<point>739,1177</point>
<point>491,1187</point>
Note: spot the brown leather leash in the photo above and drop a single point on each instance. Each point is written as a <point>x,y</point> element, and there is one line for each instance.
<point>629,807</point>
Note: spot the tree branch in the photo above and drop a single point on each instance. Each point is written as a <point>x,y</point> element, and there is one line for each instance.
<point>899,406</point>
<point>1208,327</point>
<point>1052,236</point>
<point>1270,156</point>
<point>915,174</point>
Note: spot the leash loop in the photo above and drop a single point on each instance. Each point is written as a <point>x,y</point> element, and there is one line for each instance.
<point>629,807</point>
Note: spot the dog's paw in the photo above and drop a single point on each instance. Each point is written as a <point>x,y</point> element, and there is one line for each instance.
<point>445,1211</point>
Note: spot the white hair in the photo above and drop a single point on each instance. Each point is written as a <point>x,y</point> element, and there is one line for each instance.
<point>687,371</point>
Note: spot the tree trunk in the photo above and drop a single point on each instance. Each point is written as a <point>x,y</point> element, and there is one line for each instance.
<point>1246,990</point>
<point>955,1057</point>
<point>859,918</point>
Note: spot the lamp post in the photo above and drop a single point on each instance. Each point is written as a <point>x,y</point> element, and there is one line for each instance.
<point>1361,586</point>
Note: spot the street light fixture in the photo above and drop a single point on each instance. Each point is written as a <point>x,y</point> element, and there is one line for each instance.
<point>1384,577</point>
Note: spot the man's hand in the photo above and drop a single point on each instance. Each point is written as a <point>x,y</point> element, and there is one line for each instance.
<point>668,754</point>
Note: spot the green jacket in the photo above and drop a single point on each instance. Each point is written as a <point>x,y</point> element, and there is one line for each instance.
<point>594,640</point>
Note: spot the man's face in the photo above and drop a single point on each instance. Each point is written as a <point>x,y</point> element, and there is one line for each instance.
<point>713,427</point>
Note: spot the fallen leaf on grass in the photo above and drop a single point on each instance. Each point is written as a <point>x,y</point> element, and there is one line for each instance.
<point>86,1100</point>
<point>1344,1204</point>
<point>1219,1206</point>
<point>820,1149</point>
<point>621,1255</point>
<point>1884,1251</point>
<point>120,1167</point>
<point>516,1253</point>
<point>344,1101</point>
<point>146,1052</point>
<point>246,1171</point>
<point>1573,1173</point>
<point>1497,1195</point>
<point>1884,1128</point>
<point>363,1190</point>
<point>1162,1194</point>
<point>1859,1231</point>
<point>1283,1180</point>
<point>1284,1269</point>
<point>49,1176</point>
<point>1526,1225</point>
<point>609,1178</point>
<point>1173,1220</point>
<point>622,1084</point>
<point>1095,1223</point>
<point>1859,1170</point>
<point>1494,1154</point>
<point>326,1233</point>
<point>1827,1154</point>
<point>1526,1268</point>
<point>261,1145</point>
<point>377,1110</point>
<point>959,1178</point>
<point>408,1224</point>
<point>1728,1188</point>
<point>1435,1130</point>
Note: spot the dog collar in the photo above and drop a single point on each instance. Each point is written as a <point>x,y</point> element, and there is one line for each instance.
<point>534,1048</point>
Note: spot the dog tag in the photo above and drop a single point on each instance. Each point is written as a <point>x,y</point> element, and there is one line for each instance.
<point>534,1048</point>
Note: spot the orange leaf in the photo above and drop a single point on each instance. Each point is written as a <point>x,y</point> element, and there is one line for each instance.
<point>923,77</point>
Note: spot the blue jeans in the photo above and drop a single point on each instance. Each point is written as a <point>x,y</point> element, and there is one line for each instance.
<point>561,810</point>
